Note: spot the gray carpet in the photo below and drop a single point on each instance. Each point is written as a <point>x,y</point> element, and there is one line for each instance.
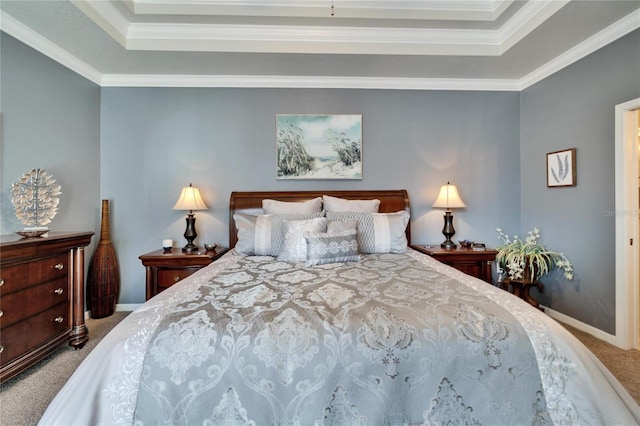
<point>24,398</point>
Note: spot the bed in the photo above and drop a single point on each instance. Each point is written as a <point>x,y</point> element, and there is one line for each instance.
<point>348,327</point>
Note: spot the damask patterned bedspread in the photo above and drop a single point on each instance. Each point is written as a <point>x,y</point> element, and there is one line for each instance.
<point>385,340</point>
<point>389,340</point>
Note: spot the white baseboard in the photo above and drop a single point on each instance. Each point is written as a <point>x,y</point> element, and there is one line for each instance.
<point>127,307</point>
<point>124,307</point>
<point>596,332</point>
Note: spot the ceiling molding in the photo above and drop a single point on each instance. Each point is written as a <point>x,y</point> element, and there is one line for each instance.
<point>309,82</point>
<point>206,37</point>
<point>610,34</point>
<point>527,19</point>
<point>472,10</point>
<point>21,32</point>
<point>315,40</point>
<point>31,38</point>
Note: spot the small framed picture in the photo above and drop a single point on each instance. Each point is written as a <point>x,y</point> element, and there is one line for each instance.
<point>561,168</point>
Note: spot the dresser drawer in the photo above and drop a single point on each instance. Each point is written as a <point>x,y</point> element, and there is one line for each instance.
<point>26,303</point>
<point>18,277</point>
<point>25,335</point>
<point>168,277</point>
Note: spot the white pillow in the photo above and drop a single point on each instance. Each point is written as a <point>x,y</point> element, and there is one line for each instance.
<point>323,248</point>
<point>294,248</point>
<point>335,204</point>
<point>292,207</point>
<point>262,234</point>
<point>378,232</point>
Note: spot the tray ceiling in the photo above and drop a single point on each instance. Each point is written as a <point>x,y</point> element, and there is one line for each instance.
<point>456,44</point>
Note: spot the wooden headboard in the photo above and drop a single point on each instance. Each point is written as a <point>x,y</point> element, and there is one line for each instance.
<point>242,202</point>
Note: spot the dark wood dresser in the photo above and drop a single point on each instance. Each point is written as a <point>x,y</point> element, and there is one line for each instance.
<point>41,297</point>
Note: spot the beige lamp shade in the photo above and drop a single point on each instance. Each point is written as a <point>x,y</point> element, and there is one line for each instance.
<point>190,199</point>
<point>449,198</point>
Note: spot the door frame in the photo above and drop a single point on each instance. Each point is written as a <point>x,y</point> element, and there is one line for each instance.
<point>627,253</point>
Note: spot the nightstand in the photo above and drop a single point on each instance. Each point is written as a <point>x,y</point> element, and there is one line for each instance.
<point>471,262</point>
<point>166,269</point>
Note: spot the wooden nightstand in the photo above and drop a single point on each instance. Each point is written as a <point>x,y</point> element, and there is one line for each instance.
<point>474,263</point>
<point>166,269</point>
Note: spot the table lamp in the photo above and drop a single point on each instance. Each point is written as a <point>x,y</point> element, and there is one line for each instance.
<point>448,199</point>
<point>191,200</point>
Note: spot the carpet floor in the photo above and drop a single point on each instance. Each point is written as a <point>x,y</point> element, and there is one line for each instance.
<point>24,398</point>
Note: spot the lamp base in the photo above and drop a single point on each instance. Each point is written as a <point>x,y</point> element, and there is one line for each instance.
<point>448,231</point>
<point>448,245</point>
<point>190,234</point>
<point>189,248</point>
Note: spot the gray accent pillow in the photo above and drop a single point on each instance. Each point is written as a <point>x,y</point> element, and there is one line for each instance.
<point>331,247</point>
<point>294,248</point>
<point>378,232</point>
<point>334,226</point>
<point>262,234</point>
<point>292,207</point>
<point>335,204</point>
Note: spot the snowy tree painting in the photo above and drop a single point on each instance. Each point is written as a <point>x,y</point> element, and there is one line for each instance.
<point>319,146</point>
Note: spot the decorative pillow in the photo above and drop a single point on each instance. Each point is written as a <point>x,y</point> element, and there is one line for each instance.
<point>331,247</point>
<point>334,204</point>
<point>378,232</point>
<point>292,207</point>
<point>294,248</point>
<point>335,226</point>
<point>262,234</point>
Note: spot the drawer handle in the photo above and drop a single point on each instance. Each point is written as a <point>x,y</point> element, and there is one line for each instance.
<point>176,279</point>
<point>58,291</point>
<point>59,319</point>
<point>59,266</point>
<point>1,282</point>
<point>1,312</point>
<point>1,349</point>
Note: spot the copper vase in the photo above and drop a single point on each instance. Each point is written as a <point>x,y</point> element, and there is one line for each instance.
<point>103,283</point>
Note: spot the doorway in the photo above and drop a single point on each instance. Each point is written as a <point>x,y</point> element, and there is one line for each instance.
<point>627,188</point>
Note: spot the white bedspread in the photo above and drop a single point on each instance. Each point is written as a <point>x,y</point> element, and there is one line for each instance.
<point>113,387</point>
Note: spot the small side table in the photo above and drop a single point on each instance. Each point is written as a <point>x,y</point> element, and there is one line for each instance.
<point>166,269</point>
<point>471,262</point>
<point>522,288</point>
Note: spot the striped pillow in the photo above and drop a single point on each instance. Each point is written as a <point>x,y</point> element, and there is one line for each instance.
<point>378,232</point>
<point>262,234</point>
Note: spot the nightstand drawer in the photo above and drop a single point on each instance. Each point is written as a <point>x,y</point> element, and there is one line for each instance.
<point>164,269</point>
<point>168,277</point>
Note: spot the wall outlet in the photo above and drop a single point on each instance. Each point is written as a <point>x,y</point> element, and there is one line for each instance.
<point>499,269</point>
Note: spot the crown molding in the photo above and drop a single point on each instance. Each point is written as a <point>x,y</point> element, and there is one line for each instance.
<point>310,82</point>
<point>163,36</point>
<point>476,10</point>
<point>610,34</point>
<point>21,32</point>
<point>31,38</point>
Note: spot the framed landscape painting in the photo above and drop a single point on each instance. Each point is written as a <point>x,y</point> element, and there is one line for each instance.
<point>319,146</point>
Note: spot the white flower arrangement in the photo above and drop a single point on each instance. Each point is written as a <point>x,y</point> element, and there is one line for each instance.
<point>515,255</point>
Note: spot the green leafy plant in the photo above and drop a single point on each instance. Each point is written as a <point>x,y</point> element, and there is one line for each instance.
<point>528,259</point>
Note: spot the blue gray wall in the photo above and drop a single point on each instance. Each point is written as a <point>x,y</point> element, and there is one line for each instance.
<point>491,144</point>
<point>574,108</point>
<point>50,120</point>
<point>154,141</point>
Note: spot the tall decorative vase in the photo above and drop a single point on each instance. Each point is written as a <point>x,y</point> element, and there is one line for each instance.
<point>104,275</point>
